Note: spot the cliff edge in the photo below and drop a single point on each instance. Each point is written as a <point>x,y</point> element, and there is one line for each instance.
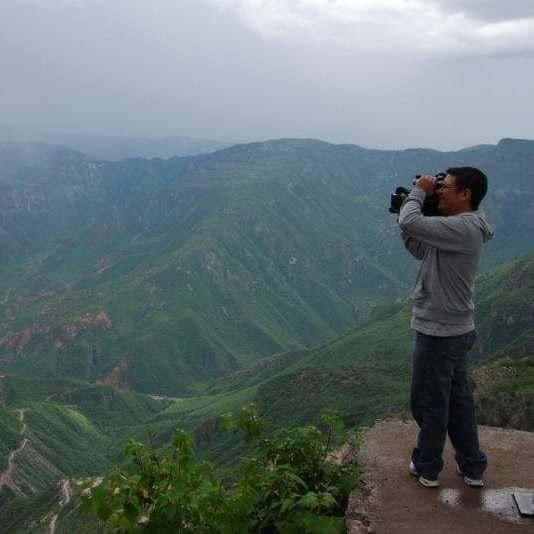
<point>390,501</point>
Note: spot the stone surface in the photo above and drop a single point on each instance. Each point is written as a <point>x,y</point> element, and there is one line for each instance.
<point>393,502</point>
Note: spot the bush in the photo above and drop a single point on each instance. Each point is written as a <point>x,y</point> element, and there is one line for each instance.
<point>287,487</point>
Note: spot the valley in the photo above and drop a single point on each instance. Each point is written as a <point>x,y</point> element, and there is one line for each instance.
<point>142,296</point>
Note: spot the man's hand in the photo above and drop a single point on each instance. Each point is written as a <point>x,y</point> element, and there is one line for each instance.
<point>426,183</point>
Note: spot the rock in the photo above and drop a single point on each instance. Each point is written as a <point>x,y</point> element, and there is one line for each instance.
<point>356,527</point>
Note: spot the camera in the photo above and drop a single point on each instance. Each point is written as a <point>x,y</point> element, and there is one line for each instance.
<point>430,205</point>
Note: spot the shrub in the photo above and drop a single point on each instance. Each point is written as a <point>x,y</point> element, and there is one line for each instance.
<point>287,487</point>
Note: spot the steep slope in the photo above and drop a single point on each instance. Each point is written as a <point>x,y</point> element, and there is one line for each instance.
<point>10,428</point>
<point>162,275</point>
<point>505,393</point>
<point>506,310</point>
<point>55,431</point>
<point>56,442</point>
<point>364,375</point>
<point>108,408</point>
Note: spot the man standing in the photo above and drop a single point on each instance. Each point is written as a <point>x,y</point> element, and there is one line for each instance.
<point>449,248</point>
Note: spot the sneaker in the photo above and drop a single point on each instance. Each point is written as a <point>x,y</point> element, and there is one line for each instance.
<point>413,470</point>
<point>472,482</point>
<point>427,483</point>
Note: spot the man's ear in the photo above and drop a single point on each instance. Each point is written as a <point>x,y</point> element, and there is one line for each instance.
<point>467,193</point>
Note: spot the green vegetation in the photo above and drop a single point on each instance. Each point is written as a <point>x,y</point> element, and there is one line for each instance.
<point>288,486</point>
<point>16,389</point>
<point>185,277</point>
<point>361,393</point>
<point>22,515</point>
<point>105,406</point>
<point>206,265</point>
<point>505,313</point>
<point>61,443</point>
<point>10,427</point>
<point>110,409</point>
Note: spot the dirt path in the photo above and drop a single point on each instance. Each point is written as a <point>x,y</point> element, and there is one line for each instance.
<point>6,477</point>
<point>395,503</point>
<point>66,491</point>
<point>21,417</point>
<point>66,495</point>
<point>52,526</point>
<point>165,398</point>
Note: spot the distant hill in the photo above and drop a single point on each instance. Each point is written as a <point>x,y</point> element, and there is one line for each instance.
<point>161,275</point>
<point>115,147</point>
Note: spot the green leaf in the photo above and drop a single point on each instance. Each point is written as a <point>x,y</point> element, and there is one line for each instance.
<point>309,501</point>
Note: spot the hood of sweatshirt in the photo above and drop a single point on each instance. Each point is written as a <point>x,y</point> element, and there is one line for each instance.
<point>478,217</point>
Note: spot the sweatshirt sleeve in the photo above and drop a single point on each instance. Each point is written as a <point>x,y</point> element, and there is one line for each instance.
<point>444,233</point>
<point>413,246</point>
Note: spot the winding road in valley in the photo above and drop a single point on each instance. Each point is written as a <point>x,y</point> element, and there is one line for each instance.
<point>66,495</point>
<point>6,478</point>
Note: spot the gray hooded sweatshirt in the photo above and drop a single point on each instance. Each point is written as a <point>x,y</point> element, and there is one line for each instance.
<point>449,248</point>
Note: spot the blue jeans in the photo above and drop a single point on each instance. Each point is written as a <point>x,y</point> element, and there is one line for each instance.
<point>442,402</point>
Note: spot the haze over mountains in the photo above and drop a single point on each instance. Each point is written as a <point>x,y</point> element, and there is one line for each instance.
<point>268,272</point>
<point>208,263</point>
<point>114,147</point>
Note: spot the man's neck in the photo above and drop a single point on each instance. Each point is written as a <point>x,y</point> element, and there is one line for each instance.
<point>461,209</point>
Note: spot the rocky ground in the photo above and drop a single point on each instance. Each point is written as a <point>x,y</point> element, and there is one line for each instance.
<point>390,501</point>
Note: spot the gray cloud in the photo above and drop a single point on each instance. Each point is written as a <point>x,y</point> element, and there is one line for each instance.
<point>490,10</point>
<point>401,26</point>
<point>237,69</point>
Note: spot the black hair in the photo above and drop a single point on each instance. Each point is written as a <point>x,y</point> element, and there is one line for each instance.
<point>473,179</point>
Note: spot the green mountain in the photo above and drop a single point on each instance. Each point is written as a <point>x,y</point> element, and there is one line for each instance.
<point>505,392</point>
<point>364,375</point>
<point>52,434</point>
<point>162,275</point>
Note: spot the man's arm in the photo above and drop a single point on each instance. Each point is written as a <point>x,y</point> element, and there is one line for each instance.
<point>412,245</point>
<point>445,233</point>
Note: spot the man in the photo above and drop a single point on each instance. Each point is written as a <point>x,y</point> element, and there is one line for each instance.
<point>449,247</point>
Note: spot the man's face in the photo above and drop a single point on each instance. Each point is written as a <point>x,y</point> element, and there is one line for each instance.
<point>452,201</point>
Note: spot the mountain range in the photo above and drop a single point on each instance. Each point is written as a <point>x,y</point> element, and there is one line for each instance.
<point>64,430</point>
<point>142,295</point>
<point>161,275</point>
<point>114,147</point>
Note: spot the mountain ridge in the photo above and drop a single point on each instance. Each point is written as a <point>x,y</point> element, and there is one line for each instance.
<point>363,374</point>
<point>211,262</point>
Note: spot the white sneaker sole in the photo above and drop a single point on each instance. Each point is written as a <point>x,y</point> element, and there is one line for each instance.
<point>428,483</point>
<point>471,482</point>
<point>422,480</point>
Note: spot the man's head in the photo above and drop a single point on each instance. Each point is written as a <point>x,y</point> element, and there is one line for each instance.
<point>463,189</point>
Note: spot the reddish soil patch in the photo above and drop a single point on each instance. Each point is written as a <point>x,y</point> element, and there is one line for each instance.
<point>13,343</point>
<point>86,321</point>
<point>117,377</point>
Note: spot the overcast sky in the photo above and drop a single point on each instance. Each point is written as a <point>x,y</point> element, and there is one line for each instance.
<point>379,73</point>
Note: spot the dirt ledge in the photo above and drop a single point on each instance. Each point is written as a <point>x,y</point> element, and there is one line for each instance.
<point>390,501</point>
